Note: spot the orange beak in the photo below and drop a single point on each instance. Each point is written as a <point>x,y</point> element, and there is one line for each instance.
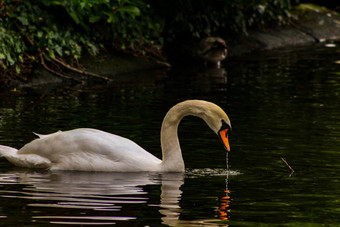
<point>224,137</point>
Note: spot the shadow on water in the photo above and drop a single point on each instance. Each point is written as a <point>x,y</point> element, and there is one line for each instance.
<point>282,104</point>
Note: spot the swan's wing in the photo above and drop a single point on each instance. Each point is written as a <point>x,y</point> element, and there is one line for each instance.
<point>43,136</point>
<point>92,150</point>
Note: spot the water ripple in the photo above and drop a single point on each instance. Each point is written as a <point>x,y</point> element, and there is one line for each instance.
<point>210,172</point>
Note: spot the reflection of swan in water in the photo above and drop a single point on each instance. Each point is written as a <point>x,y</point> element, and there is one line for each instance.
<point>81,192</point>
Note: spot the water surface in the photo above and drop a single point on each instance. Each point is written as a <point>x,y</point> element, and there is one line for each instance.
<point>282,104</point>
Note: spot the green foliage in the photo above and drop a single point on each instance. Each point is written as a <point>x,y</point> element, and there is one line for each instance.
<point>43,30</point>
<point>11,48</point>
<point>66,28</point>
<point>201,18</point>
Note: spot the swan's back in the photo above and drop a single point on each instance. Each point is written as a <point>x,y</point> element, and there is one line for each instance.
<point>91,150</point>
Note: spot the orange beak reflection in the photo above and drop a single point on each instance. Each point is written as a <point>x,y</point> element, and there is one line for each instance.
<point>224,137</point>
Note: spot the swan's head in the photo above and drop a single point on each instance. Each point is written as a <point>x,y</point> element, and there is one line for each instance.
<point>212,114</point>
<point>218,121</point>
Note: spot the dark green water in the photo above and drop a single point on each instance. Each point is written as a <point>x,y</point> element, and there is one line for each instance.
<point>282,104</point>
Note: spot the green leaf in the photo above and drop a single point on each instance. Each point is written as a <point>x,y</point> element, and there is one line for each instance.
<point>94,18</point>
<point>51,54</point>
<point>40,34</point>
<point>59,50</point>
<point>74,16</point>
<point>129,9</point>
<point>10,60</point>
<point>112,17</point>
<point>17,69</point>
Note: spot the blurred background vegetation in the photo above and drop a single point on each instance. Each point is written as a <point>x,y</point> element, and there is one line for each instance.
<point>52,32</point>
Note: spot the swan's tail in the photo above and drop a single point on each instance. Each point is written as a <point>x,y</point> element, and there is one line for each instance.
<point>7,151</point>
<point>23,160</point>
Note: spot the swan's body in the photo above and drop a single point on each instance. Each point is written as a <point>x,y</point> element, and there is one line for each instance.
<point>94,150</point>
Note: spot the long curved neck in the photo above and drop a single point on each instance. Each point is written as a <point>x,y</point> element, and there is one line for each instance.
<point>171,150</point>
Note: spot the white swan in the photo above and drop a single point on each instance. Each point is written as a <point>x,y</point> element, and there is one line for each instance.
<point>94,150</point>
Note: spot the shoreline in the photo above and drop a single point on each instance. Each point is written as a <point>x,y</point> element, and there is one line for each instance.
<point>315,24</point>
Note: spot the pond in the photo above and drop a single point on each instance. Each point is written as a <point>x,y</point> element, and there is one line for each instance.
<point>284,107</point>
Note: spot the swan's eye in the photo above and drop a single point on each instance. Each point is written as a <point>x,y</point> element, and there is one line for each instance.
<point>224,126</point>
